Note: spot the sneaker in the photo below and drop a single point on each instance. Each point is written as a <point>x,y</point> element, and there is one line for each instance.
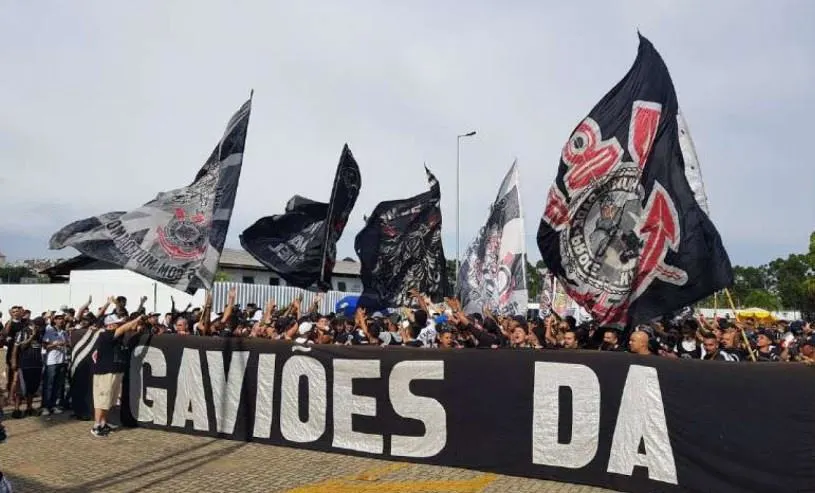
<point>30,412</point>
<point>99,431</point>
<point>45,412</point>
<point>17,414</point>
<point>57,410</point>
<point>109,428</point>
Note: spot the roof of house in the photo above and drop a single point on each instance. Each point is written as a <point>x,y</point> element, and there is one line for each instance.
<point>230,257</point>
<point>239,258</point>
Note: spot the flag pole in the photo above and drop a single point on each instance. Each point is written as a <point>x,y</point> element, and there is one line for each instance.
<point>741,329</point>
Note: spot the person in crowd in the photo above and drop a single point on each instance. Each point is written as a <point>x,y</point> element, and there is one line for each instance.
<point>711,347</point>
<point>26,360</point>
<point>689,347</point>
<point>13,326</point>
<point>638,343</point>
<point>570,340</point>
<point>55,343</point>
<point>611,339</point>
<point>765,350</point>
<point>109,366</point>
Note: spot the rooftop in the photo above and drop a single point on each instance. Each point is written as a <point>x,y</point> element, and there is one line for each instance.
<point>230,257</point>
<point>239,258</point>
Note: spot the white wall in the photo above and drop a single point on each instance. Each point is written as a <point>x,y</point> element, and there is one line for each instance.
<point>35,297</point>
<point>99,284</point>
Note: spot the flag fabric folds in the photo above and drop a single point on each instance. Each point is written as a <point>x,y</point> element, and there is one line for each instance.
<point>492,274</point>
<point>301,244</point>
<point>176,238</point>
<point>400,249</point>
<point>621,228</point>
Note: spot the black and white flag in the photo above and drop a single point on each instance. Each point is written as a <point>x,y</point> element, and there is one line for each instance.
<point>400,249</point>
<point>492,274</point>
<point>301,243</point>
<point>176,238</point>
<point>625,227</point>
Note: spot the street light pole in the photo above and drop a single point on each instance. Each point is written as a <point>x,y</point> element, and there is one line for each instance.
<point>458,198</point>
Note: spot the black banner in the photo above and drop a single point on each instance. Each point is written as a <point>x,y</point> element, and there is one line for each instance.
<point>616,420</point>
<point>301,243</point>
<point>622,229</point>
<point>400,249</point>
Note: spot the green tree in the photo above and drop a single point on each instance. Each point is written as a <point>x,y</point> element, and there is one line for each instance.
<point>221,276</point>
<point>12,274</point>
<point>762,298</point>
<point>533,280</point>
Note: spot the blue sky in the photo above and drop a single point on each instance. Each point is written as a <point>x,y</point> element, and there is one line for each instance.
<point>106,103</point>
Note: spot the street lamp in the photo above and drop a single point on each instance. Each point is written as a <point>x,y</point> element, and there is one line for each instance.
<point>458,196</point>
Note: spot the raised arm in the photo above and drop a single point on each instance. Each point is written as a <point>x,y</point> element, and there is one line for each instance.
<point>104,308</point>
<point>129,326</point>
<point>82,309</point>
<point>230,305</point>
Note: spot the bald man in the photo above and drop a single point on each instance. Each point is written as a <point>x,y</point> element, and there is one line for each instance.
<point>638,343</point>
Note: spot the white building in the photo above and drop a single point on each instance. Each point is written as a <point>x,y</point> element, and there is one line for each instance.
<point>236,264</point>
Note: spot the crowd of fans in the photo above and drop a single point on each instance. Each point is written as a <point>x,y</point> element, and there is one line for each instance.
<point>38,348</point>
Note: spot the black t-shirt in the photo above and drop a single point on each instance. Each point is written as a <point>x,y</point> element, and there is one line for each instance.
<point>111,354</point>
<point>15,326</point>
<point>29,353</point>
<point>771,355</point>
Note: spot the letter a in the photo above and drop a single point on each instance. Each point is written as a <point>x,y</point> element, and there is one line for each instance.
<point>642,419</point>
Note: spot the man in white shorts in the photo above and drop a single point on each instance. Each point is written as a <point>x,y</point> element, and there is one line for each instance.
<point>109,364</point>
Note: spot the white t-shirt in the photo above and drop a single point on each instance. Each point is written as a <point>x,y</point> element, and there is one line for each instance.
<point>55,356</point>
<point>427,336</point>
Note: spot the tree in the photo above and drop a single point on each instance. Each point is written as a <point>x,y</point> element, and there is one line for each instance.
<point>221,276</point>
<point>13,274</point>
<point>533,280</point>
<point>761,298</point>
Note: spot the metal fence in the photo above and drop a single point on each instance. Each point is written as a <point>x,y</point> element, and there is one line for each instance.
<point>282,295</point>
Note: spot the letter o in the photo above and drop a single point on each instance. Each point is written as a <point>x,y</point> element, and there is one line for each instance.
<point>291,427</point>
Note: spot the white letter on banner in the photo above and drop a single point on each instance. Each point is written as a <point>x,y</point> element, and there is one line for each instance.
<point>425,409</point>
<point>190,403</point>
<point>157,412</point>
<point>265,396</point>
<point>346,404</point>
<point>585,387</point>
<point>642,418</point>
<point>291,427</point>
<point>226,395</point>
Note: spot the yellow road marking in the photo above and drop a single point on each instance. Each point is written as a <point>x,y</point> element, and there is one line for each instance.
<point>368,482</point>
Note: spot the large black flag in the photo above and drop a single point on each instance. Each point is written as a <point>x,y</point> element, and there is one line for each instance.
<point>176,238</point>
<point>621,228</point>
<point>400,249</point>
<point>301,243</point>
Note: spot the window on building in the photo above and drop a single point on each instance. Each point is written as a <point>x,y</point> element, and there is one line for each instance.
<point>274,281</point>
<point>340,286</point>
<point>248,279</point>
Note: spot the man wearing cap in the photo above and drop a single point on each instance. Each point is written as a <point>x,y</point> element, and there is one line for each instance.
<point>110,361</point>
<point>55,342</point>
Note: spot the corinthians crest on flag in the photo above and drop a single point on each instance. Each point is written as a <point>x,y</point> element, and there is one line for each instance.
<point>176,238</point>
<point>621,228</point>
<point>492,274</point>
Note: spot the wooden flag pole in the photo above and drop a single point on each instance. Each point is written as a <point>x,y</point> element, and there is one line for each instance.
<point>741,329</point>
